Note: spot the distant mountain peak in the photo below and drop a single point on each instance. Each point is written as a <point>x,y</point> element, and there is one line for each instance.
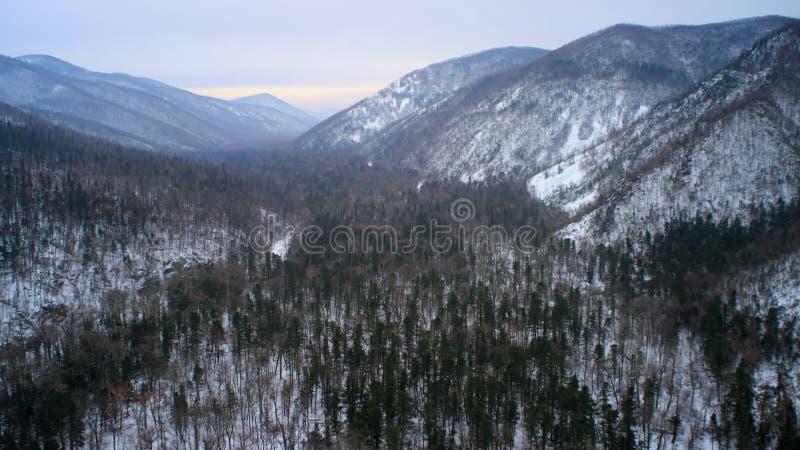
<point>268,100</point>
<point>51,63</point>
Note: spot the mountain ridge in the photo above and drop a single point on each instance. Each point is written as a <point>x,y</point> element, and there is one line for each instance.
<point>137,111</point>
<point>531,118</point>
<point>351,128</point>
<point>268,100</point>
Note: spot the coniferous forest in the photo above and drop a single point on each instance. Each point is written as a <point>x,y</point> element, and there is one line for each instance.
<point>647,343</point>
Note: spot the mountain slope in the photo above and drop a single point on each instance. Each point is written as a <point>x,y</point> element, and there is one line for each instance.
<point>136,111</point>
<point>725,149</point>
<point>268,100</point>
<point>80,216</point>
<point>355,126</point>
<point>531,119</point>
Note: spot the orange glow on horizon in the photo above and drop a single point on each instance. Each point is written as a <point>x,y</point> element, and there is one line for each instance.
<point>312,97</point>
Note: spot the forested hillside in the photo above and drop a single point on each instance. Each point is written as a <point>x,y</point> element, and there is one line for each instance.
<point>648,343</point>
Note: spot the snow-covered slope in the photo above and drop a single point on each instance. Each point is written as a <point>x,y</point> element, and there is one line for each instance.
<point>61,274</point>
<point>774,284</point>
<point>549,111</point>
<point>355,126</point>
<point>731,144</point>
<point>137,111</point>
<point>122,217</point>
<point>268,100</point>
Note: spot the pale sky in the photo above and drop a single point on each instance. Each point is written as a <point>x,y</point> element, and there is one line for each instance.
<point>318,55</point>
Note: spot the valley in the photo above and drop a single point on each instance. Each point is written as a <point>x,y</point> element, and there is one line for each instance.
<point>157,287</point>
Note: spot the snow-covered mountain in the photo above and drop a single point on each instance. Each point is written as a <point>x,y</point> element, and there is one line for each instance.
<point>137,111</point>
<point>729,146</point>
<point>354,127</point>
<point>268,100</point>
<point>532,118</point>
<point>152,301</point>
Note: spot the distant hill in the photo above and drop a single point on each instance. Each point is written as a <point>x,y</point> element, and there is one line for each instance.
<point>137,111</point>
<point>270,101</point>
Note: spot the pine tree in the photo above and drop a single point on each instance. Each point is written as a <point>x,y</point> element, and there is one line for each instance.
<point>627,433</point>
<point>742,396</point>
